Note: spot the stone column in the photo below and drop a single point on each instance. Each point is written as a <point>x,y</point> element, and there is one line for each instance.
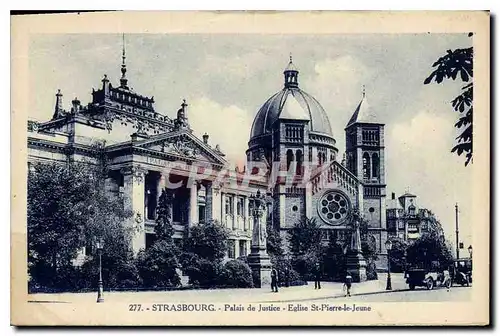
<point>193,204</point>
<point>246,215</point>
<point>216,204</point>
<point>133,191</point>
<point>160,186</point>
<point>223,209</point>
<point>235,212</point>
<point>236,248</point>
<point>208,202</point>
<point>258,259</point>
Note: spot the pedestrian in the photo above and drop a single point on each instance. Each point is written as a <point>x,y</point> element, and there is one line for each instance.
<point>447,280</point>
<point>348,284</point>
<point>317,276</point>
<point>274,280</point>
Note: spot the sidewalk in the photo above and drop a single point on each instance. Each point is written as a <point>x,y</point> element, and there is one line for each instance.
<point>243,295</point>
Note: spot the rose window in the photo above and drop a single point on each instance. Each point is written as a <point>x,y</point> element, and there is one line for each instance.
<point>333,207</point>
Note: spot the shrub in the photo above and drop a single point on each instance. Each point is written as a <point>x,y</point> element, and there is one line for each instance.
<point>334,261</point>
<point>236,274</point>
<point>202,272</point>
<point>158,265</point>
<point>126,276</point>
<point>371,270</point>
<point>304,264</point>
<point>208,241</point>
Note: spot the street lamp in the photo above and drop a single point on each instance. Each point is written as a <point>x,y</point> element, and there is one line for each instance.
<point>470,250</point>
<point>388,246</point>
<point>100,246</point>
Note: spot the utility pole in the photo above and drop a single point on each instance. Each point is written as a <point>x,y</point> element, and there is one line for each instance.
<point>456,232</point>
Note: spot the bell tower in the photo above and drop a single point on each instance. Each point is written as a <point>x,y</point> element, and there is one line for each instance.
<point>365,158</point>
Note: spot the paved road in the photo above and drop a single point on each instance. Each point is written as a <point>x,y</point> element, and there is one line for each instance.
<point>457,294</point>
<point>370,291</point>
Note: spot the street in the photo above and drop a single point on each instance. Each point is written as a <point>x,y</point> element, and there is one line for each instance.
<point>369,291</point>
<point>458,294</point>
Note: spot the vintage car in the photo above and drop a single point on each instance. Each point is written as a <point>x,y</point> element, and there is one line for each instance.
<point>429,279</point>
<point>462,271</point>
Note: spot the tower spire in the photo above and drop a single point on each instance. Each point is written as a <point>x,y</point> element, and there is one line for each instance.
<point>291,75</point>
<point>58,109</point>
<point>123,79</point>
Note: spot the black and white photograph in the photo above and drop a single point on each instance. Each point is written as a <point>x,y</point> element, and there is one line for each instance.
<point>264,177</point>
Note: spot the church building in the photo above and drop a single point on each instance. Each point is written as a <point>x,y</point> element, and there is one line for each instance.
<point>149,151</point>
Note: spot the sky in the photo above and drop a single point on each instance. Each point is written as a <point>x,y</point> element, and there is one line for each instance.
<point>226,79</point>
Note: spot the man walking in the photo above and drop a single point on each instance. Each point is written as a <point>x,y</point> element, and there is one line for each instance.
<point>274,280</point>
<point>317,276</point>
<point>348,284</point>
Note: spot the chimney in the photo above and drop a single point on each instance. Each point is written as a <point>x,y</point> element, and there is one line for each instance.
<point>393,196</point>
<point>205,139</point>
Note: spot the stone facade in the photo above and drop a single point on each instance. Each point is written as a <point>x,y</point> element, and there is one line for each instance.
<point>407,221</point>
<point>292,131</point>
<point>291,136</point>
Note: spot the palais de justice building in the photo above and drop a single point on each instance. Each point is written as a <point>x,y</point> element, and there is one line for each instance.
<point>290,128</point>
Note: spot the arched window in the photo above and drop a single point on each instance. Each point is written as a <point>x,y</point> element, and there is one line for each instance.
<point>375,165</point>
<point>289,158</point>
<point>366,166</point>
<point>300,159</point>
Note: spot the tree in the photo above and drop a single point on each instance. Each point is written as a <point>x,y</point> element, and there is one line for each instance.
<point>164,229</point>
<point>334,259</point>
<point>57,197</point>
<point>305,245</point>
<point>449,66</point>
<point>305,237</point>
<point>429,251</point>
<point>397,254</point>
<point>68,207</point>
<point>204,250</point>
<point>208,241</point>
<point>158,265</point>
<point>274,244</point>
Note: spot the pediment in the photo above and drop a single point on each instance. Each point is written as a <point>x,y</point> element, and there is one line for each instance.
<point>183,144</point>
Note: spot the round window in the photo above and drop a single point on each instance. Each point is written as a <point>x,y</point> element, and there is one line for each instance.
<point>295,208</point>
<point>371,210</point>
<point>333,207</point>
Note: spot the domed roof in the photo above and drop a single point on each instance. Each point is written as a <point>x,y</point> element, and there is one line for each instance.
<point>291,103</point>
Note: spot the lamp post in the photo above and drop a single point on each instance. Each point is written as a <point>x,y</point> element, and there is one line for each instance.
<point>470,251</point>
<point>99,246</point>
<point>388,246</point>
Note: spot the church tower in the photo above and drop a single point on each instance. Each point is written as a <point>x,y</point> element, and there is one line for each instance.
<point>365,158</point>
<point>291,132</point>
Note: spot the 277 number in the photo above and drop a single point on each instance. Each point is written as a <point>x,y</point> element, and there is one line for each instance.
<point>134,307</point>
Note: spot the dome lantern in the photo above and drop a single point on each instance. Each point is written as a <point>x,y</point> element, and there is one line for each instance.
<point>291,75</point>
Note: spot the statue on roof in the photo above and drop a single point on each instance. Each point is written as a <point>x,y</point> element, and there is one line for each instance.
<point>182,121</point>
